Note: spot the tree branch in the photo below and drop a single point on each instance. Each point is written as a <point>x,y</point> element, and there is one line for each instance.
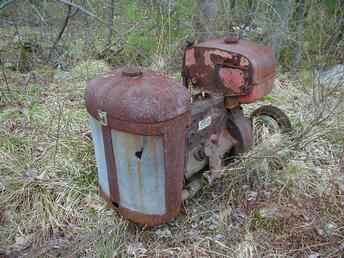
<point>63,28</point>
<point>5,3</point>
<point>82,9</point>
<point>4,74</point>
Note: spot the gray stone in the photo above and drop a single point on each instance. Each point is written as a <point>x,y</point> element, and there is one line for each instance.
<point>333,77</point>
<point>30,174</point>
<point>239,216</point>
<point>269,213</point>
<point>164,232</point>
<point>329,229</point>
<point>219,237</point>
<point>136,249</point>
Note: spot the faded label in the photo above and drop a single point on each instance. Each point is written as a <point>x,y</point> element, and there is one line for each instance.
<point>204,123</point>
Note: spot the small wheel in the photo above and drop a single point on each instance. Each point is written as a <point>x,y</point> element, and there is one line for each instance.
<point>269,120</point>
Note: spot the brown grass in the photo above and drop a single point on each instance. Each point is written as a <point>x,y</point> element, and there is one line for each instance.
<point>50,206</point>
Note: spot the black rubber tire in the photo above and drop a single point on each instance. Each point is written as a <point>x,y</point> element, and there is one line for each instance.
<point>277,114</point>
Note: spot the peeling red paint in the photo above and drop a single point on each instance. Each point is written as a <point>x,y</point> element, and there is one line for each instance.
<point>223,73</point>
<point>252,67</point>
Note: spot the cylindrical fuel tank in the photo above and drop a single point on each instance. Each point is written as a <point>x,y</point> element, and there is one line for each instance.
<point>138,121</point>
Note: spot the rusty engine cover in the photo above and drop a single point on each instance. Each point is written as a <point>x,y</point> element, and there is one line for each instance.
<point>155,139</point>
<point>235,68</point>
<point>139,124</point>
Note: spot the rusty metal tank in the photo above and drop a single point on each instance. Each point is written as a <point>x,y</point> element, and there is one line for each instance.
<point>239,69</point>
<point>139,121</point>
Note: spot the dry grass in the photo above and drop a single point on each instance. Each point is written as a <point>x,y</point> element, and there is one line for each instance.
<point>50,206</point>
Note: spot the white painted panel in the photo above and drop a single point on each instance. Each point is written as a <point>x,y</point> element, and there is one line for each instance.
<point>98,142</point>
<point>141,179</point>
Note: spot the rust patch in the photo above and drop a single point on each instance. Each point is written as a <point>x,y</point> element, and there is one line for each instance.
<point>252,65</point>
<point>148,99</point>
<point>190,57</point>
<point>221,74</point>
<point>233,79</point>
<point>111,164</point>
<point>148,105</point>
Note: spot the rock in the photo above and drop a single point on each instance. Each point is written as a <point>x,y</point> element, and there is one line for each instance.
<point>212,226</point>
<point>314,255</point>
<point>30,174</point>
<point>239,216</point>
<point>329,229</point>
<point>163,232</point>
<point>326,230</point>
<point>219,237</point>
<point>332,77</point>
<point>136,249</point>
<point>194,225</point>
<point>269,213</point>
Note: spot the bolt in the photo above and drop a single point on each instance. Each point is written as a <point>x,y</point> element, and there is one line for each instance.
<point>214,139</point>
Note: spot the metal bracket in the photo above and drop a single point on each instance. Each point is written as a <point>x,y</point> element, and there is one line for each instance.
<point>102,116</point>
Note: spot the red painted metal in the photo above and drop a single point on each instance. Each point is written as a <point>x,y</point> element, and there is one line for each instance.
<point>240,128</point>
<point>258,91</point>
<point>232,39</point>
<point>233,79</point>
<point>111,165</point>
<point>147,99</point>
<point>221,74</point>
<point>232,67</point>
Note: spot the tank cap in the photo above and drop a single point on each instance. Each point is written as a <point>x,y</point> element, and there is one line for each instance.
<point>132,71</point>
<point>232,39</point>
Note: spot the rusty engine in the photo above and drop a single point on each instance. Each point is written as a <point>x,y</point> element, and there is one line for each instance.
<point>156,139</point>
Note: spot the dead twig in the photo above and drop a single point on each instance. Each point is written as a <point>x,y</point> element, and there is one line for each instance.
<point>38,13</point>
<point>5,3</point>
<point>59,125</point>
<point>4,74</point>
<point>82,9</point>
<point>62,30</point>
<point>4,78</point>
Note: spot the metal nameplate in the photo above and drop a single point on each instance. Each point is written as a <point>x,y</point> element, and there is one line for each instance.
<point>204,123</point>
